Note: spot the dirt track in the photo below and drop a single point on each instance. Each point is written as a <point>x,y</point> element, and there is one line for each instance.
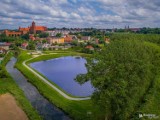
<point>9,110</point>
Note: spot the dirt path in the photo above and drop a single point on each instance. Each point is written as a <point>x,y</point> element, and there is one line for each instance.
<point>9,110</point>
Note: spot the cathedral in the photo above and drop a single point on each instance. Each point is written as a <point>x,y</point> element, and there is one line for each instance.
<point>33,29</point>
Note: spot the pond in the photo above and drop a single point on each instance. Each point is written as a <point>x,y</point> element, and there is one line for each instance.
<point>62,71</point>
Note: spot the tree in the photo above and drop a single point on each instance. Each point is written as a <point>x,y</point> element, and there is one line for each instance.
<point>31,46</point>
<point>25,36</point>
<point>59,35</point>
<point>44,41</point>
<point>43,35</point>
<point>121,74</point>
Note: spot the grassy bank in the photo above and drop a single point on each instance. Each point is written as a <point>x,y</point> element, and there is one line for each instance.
<point>151,102</point>
<point>7,85</point>
<point>76,109</point>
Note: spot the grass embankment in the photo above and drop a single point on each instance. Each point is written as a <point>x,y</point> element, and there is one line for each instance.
<point>7,85</point>
<point>76,109</point>
<point>151,101</point>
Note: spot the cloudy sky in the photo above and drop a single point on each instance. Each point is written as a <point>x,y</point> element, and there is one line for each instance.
<point>80,13</point>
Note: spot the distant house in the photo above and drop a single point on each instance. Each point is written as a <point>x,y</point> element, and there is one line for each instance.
<point>3,51</point>
<point>24,45</point>
<point>59,40</point>
<point>107,40</point>
<point>134,29</point>
<point>86,38</point>
<point>68,39</point>
<point>97,41</point>
<point>5,45</point>
<point>31,37</point>
<point>89,47</point>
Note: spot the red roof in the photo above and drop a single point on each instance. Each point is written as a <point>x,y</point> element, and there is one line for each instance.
<point>24,44</point>
<point>68,38</point>
<point>7,44</point>
<point>40,28</point>
<point>23,29</point>
<point>89,47</point>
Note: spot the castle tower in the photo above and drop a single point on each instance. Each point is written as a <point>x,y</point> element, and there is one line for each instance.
<point>33,28</point>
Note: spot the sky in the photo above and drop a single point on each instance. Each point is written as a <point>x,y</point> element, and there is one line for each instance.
<point>80,13</point>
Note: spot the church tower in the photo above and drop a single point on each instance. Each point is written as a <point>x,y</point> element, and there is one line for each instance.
<point>33,28</point>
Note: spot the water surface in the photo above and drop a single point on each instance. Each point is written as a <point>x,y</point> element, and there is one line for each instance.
<point>62,71</point>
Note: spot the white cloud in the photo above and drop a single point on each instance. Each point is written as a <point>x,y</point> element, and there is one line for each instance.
<point>80,13</point>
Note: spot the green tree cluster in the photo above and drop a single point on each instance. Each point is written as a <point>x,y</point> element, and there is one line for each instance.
<point>43,35</point>
<point>121,74</point>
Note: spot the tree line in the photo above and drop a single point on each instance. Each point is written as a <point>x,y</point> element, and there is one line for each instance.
<point>122,74</point>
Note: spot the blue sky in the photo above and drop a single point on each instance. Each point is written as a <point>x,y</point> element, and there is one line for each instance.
<point>80,13</point>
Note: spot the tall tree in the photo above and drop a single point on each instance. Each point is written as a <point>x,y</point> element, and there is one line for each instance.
<point>121,74</point>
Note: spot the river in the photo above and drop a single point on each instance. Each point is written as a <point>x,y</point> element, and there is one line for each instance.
<point>47,110</point>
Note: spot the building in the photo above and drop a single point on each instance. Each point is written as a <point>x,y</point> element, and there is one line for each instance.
<point>24,45</point>
<point>5,45</point>
<point>89,47</point>
<point>33,29</point>
<point>107,40</point>
<point>59,40</point>
<point>31,37</point>
<point>12,33</point>
<point>68,39</point>
<point>86,38</point>
<point>3,51</point>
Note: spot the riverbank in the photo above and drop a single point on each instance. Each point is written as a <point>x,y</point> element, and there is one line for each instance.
<point>7,85</point>
<point>76,109</point>
<point>46,110</point>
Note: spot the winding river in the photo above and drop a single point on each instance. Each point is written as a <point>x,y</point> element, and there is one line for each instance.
<point>47,110</point>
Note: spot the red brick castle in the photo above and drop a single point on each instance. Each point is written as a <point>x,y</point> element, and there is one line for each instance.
<point>33,29</point>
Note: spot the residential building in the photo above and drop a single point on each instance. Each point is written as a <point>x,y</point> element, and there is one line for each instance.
<point>107,40</point>
<point>68,39</point>
<point>89,47</point>
<point>5,45</point>
<point>59,40</point>
<point>86,38</point>
<point>3,51</point>
<point>24,45</point>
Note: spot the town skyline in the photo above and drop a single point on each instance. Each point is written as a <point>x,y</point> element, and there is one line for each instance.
<point>80,13</point>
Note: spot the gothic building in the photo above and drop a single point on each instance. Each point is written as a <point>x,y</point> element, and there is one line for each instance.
<point>33,29</point>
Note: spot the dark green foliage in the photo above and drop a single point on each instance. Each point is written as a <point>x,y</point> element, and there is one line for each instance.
<point>149,31</point>
<point>122,74</point>
<point>43,35</point>
<point>154,38</point>
<point>59,35</point>
<point>31,45</point>
<point>25,36</point>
